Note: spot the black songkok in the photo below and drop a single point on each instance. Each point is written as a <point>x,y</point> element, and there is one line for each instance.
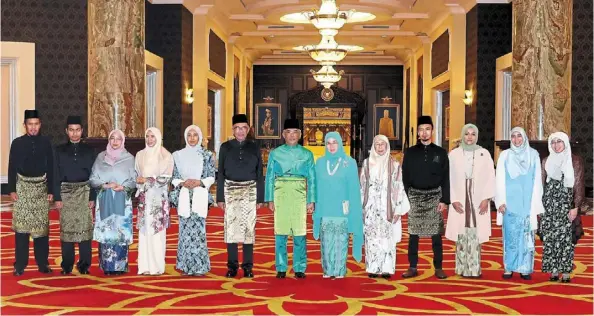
<point>73,120</point>
<point>240,118</point>
<point>30,114</point>
<point>425,119</point>
<point>291,123</point>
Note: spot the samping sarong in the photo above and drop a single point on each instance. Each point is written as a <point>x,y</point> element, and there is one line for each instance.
<point>290,206</point>
<point>468,248</point>
<point>30,214</point>
<point>240,212</point>
<point>76,219</point>
<point>423,218</point>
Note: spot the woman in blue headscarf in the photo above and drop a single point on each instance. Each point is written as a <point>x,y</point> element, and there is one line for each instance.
<point>518,197</point>
<point>338,208</point>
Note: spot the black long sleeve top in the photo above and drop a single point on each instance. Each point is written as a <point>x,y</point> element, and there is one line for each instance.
<point>240,161</point>
<point>31,156</point>
<point>427,167</point>
<point>74,163</point>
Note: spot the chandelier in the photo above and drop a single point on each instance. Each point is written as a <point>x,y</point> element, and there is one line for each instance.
<point>328,17</point>
<point>327,76</point>
<point>328,52</point>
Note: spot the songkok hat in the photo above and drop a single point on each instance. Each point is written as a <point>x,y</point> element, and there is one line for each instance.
<point>240,118</point>
<point>30,114</point>
<point>291,123</point>
<point>425,119</point>
<point>73,120</point>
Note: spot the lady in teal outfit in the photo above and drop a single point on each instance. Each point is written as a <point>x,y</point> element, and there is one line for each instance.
<point>338,211</point>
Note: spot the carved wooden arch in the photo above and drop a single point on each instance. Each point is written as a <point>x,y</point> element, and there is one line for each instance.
<point>341,96</point>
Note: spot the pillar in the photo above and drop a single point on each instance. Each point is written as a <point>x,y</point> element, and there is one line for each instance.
<point>200,69</point>
<point>457,74</point>
<point>116,67</point>
<point>541,67</point>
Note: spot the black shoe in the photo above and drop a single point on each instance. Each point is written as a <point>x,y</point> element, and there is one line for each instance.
<point>525,276</point>
<point>440,274</point>
<point>84,271</point>
<point>554,278</point>
<point>64,272</point>
<point>247,273</point>
<point>411,272</point>
<point>16,272</point>
<point>231,273</point>
<point>300,275</point>
<point>508,276</point>
<point>281,275</point>
<point>565,280</point>
<point>107,272</point>
<point>372,275</point>
<point>386,276</point>
<point>45,270</point>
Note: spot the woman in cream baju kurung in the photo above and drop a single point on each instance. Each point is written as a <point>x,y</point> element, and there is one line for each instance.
<point>518,197</point>
<point>154,166</point>
<point>472,186</point>
<point>384,202</point>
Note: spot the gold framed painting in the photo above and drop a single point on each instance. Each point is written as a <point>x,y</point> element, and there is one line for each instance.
<point>386,120</point>
<point>268,121</point>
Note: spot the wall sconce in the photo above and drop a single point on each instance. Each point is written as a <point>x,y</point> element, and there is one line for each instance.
<point>190,96</point>
<point>467,97</point>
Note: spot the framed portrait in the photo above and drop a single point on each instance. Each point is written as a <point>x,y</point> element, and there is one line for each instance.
<point>268,121</point>
<point>446,125</point>
<point>209,122</point>
<point>386,120</point>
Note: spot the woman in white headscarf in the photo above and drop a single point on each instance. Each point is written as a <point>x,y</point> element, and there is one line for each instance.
<point>193,175</point>
<point>384,202</point>
<point>518,197</point>
<point>154,166</point>
<point>563,178</point>
<point>472,186</point>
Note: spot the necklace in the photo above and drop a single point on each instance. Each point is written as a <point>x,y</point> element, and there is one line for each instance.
<point>335,167</point>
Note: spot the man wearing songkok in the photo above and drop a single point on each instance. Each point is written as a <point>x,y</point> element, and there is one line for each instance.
<point>74,197</point>
<point>426,179</point>
<point>240,192</point>
<point>290,191</point>
<point>31,186</point>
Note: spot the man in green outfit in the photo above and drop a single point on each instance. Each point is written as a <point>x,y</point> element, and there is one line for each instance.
<point>290,192</point>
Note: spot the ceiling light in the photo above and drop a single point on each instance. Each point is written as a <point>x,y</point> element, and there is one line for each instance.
<point>328,17</point>
<point>328,52</point>
<point>327,76</point>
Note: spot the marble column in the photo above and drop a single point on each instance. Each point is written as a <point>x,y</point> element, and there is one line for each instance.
<point>116,67</point>
<point>541,67</point>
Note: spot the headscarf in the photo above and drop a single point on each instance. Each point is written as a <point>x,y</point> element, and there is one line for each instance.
<point>377,162</point>
<point>112,155</point>
<point>190,160</point>
<point>151,157</point>
<point>559,165</point>
<point>520,157</point>
<point>471,147</point>
<point>339,154</point>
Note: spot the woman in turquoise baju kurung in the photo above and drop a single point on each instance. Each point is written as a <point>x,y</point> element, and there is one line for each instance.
<point>519,201</point>
<point>338,210</point>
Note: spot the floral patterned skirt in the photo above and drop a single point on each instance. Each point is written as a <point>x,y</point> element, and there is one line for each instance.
<point>558,249</point>
<point>113,257</point>
<point>192,250</point>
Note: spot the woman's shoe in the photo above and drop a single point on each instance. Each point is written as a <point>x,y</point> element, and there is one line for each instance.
<point>386,276</point>
<point>565,280</point>
<point>526,276</point>
<point>372,275</point>
<point>554,278</point>
<point>508,275</point>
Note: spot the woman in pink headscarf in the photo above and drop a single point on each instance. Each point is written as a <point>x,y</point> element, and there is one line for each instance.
<point>113,176</point>
<point>154,166</point>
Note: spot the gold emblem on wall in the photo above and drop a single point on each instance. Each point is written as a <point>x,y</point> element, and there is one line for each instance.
<point>327,94</point>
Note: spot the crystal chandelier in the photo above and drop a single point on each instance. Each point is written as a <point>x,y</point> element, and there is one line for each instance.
<point>328,52</point>
<point>328,17</point>
<point>327,76</point>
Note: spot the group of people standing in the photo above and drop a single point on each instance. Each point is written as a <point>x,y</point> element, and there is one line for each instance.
<point>368,204</point>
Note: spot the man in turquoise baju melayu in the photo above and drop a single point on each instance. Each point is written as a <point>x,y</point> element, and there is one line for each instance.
<point>338,209</point>
<point>290,193</point>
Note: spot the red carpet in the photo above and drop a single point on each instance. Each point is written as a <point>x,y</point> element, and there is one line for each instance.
<point>35,293</point>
